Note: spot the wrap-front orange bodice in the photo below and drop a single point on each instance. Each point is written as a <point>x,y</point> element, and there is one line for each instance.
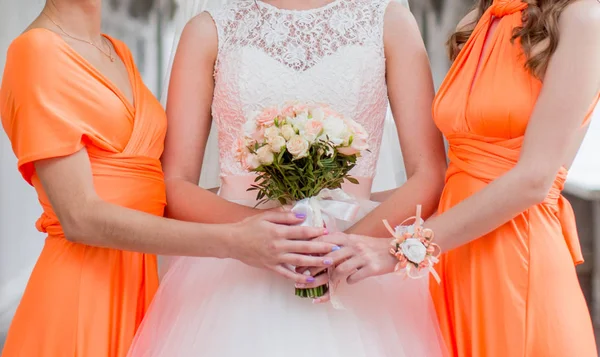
<point>82,301</point>
<point>513,292</point>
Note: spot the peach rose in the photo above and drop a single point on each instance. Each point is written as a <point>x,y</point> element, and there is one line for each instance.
<point>298,147</point>
<point>276,142</point>
<point>312,129</point>
<point>267,117</point>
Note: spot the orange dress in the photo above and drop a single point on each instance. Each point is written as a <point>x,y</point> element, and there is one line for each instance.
<point>513,292</point>
<point>82,301</point>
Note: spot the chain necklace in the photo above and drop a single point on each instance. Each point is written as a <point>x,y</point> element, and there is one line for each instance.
<point>109,54</point>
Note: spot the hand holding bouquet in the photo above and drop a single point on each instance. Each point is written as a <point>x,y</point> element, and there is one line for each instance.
<point>302,155</point>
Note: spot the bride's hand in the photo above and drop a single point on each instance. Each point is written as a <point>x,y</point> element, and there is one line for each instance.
<point>270,240</point>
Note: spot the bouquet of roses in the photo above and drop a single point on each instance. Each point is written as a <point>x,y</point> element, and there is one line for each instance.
<point>302,154</point>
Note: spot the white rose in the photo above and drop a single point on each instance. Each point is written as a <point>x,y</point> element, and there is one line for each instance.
<point>251,162</point>
<point>414,250</point>
<point>299,121</point>
<point>298,147</point>
<point>318,114</point>
<point>265,155</point>
<point>287,131</point>
<point>276,142</point>
<point>271,131</point>
<point>336,130</point>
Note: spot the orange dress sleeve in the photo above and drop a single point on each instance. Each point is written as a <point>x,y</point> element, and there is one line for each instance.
<point>39,101</point>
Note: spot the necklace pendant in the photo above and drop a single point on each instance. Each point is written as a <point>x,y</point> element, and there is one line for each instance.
<point>112,59</point>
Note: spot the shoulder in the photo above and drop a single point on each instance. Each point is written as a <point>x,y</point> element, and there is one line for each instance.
<point>399,21</point>
<point>36,46</point>
<point>468,22</point>
<point>39,56</point>
<point>581,17</point>
<point>227,10</point>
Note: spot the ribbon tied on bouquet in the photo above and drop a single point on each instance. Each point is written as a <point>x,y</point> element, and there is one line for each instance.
<point>324,210</point>
<point>329,206</point>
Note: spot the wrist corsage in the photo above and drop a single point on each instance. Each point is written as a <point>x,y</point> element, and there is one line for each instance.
<point>413,246</point>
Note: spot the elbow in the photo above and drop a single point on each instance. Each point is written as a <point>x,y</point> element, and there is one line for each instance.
<point>77,225</point>
<point>535,186</point>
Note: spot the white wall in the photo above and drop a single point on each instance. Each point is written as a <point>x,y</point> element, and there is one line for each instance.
<point>20,243</point>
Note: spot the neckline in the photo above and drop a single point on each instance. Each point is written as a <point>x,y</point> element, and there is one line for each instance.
<point>118,92</point>
<point>271,7</point>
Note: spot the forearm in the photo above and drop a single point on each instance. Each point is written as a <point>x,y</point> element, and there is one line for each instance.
<point>402,204</point>
<point>382,196</point>
<point>191,203</point>
<point>106,225</point>
<point>485,211</point>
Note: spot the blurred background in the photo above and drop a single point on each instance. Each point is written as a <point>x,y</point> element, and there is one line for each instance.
<point>147,28</point>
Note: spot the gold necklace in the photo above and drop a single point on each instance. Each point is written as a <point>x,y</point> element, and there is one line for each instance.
<point>109,54</point>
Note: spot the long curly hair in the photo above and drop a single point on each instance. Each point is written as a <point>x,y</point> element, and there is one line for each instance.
<point>538,35</point>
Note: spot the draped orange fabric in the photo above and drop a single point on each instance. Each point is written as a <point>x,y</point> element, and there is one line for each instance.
<point>513,292</point>
<point>82,301</point>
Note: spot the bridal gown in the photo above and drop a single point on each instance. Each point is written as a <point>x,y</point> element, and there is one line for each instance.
<point>223,308</point>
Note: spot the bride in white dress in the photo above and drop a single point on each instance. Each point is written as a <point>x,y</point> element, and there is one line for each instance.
<point>238,58</point>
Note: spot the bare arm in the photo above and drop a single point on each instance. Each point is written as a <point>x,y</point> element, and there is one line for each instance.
<point>554,133</point>
<point>189,113</point>
<point>411,91</point>
<point>263,241</point>
<point>571,82</point>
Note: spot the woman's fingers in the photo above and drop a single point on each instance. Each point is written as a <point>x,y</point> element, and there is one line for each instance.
<point>285,218</point>
<point>361,274</point>
<point>291,275</point>
<point>320,279</point>
<point>308,247</point>
<point>322,299</point>
<point>305,260</point>
<point>347,268</point>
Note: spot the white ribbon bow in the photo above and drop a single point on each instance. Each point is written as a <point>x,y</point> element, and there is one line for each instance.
<point>327,207</point>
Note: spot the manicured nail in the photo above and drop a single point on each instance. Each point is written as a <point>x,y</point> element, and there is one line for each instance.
<point>316,301</point>
<point>325,232</point>
<point>310,279</point>
<point>335,248</point>
<point>300,286</point>
<point>300,215</point>
<point>328,262</point>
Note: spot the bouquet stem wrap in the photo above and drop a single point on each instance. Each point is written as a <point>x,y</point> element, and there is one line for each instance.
<point>323,210</point>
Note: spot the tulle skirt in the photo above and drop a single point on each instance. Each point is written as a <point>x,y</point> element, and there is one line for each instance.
<point>209,307</point>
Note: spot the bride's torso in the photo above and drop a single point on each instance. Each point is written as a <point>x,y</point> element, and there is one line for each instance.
<point>269,56</point>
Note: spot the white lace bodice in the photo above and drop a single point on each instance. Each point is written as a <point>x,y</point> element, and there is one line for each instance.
<point>269,56</point>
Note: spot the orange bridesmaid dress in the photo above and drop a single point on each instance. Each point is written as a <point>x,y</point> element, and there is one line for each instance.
<point>513,292</point>
<point>82,301</point>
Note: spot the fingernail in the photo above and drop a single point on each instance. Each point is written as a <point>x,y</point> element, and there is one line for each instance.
<point>300,286</point>
<point>316,301</point>
<point>310,279</point>
<point>328,262</point>
<point>325,232</point>
<point>300,215</point>
<point>336,248</point>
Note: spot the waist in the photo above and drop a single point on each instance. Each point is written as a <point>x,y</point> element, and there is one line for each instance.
<point>235,188</point>
<point>483,161</point>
